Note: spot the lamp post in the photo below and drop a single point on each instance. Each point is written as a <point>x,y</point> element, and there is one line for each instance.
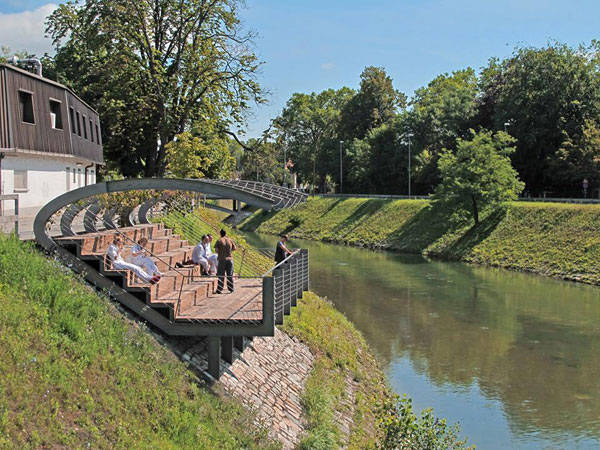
<point>506,125</point>
<point>409,136</point>
<point>341,171</point>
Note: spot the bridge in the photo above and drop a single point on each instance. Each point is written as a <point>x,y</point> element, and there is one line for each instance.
<point>79,225</point>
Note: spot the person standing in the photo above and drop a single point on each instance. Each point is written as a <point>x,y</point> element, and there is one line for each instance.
<point>281,251</point>
<point>225,248</point>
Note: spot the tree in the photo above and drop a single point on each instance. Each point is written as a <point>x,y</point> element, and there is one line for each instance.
<point>308,127</point>
<point>373,105</point>
<point>442,112</point>
<point>264,162</point>
<point>578,159</point>
<point>479,175</point>
<point>199,155</point>
<point>154,69</point>
<point>542,95</point>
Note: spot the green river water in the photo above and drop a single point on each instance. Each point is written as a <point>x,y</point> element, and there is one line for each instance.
<point>514,358</point>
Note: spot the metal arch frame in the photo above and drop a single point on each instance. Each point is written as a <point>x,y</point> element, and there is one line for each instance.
<point>221,189</point>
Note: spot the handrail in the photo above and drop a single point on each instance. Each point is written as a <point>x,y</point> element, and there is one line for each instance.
<point>276,266</point>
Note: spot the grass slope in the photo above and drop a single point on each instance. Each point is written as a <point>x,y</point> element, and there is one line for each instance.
<point>75,373</point>
<point>559,240</point>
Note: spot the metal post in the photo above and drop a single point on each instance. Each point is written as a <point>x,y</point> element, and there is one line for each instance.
<point>17,216</point>
<point>341,171</point>
<point>409,165</point>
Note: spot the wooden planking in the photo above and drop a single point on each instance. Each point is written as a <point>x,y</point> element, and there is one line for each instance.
<point>41,136</point>
<point>4,119</point>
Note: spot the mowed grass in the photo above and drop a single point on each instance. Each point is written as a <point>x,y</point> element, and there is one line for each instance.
<point>75,373</point>
<point>342,355</point>
<point>553,239</point>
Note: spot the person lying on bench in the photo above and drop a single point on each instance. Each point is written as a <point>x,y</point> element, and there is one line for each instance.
<point>118,263</point>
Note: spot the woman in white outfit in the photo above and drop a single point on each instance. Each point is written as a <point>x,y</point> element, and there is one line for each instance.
<point>139,257</point>
<point>199,255</point>
<point>211,257</point>
<point>118,263</point>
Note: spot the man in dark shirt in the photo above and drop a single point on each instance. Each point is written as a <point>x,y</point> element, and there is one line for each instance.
<point>281,251</point>
<point>225,248</point>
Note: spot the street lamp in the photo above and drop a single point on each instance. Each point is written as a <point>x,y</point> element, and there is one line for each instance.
<point>341,172</point>
<point>506,125</point>
<point>409,136</point>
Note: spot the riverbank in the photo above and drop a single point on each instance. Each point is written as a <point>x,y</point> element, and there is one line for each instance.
<point>345,390</point>
<point>551,239</point>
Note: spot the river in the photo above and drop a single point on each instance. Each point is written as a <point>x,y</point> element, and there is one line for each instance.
<point>514,358</point>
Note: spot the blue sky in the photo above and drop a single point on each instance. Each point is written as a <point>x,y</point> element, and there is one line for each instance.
<point>313,45</point>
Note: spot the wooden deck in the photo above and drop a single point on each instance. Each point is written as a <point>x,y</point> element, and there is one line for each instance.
<point>243,305</point>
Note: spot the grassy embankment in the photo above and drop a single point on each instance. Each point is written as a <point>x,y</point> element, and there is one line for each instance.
<point>558,240</point>
<point>341,355</point>
<point>75,373</point>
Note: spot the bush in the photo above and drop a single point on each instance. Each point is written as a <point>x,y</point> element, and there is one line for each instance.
<point>401,428</point>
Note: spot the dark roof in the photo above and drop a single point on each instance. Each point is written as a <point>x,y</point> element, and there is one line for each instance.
<point>45,80</point>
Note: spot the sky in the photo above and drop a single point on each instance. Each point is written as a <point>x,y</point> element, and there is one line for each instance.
<point>309,45</point>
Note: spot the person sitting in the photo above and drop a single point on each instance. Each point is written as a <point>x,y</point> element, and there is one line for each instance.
<point>139,257</point>
<point>281,251</point>
<point>211,257</point>
<point>199,255</point>
<point>118,263</point>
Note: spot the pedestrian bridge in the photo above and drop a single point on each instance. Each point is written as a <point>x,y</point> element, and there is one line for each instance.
<point>79,225</point>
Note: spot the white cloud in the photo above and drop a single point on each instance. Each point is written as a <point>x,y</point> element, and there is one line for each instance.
<point>328,66</point>
<point>25,30</point>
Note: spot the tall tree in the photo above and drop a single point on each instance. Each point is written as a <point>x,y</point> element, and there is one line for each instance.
<point>542,94</point>
<point>154,68</point>
<point>374,104</point>
<point>308,127</point>
<point>442,112</point>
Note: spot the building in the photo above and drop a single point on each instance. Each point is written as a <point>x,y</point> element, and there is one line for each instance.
<point>50,139</point>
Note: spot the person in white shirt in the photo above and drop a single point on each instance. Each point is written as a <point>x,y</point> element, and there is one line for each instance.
<point>114,255</point>
<point>139,257</point>
<point>199,255</point>
<point>211,257</point>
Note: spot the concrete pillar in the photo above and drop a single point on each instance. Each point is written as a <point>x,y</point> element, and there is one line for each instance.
<point>238,341</point>
<point>214,356</point>
<point>227,348</point>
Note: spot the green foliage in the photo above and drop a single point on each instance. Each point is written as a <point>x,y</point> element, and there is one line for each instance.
<point>403,429</point>
<point>154,70</point>
<point>342,356</point>
<point>374,104</point>
<point>479,175</point>
<point>193,156</point>
<point>542,94</point>
<point>307,127</point>
<point>75,373</point>
<point>264,163</point>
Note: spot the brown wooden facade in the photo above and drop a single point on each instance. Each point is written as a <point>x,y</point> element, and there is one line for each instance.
<point>40,115</point>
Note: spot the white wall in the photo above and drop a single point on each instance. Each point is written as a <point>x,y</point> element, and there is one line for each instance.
<point>46,179</point>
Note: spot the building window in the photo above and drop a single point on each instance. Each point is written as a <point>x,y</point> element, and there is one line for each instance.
<point>84,127</point>
<point>72,117</point>
<point>20,180</point>
<point>26,105</point>
<point>91,131</point>
<point>74,175</point>
<point>55,115</point>
<point>78,120</point>
<point>97,134</point>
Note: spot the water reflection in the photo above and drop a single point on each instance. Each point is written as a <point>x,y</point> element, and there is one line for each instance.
<point>515,358</point>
